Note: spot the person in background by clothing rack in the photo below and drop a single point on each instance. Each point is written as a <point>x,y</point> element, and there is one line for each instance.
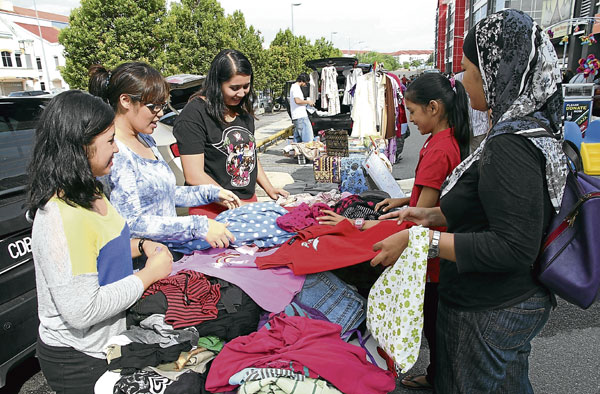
<point>303,131</point>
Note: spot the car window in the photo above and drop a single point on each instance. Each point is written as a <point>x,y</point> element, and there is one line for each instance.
<point>17,133</point>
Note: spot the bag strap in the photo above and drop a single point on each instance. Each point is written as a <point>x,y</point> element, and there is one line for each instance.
<point>568,147</point>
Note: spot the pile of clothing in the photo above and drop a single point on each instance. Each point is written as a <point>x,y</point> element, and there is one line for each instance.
<point>268,313</point>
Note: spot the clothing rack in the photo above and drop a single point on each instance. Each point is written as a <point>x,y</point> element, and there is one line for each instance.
<point>377,70</point>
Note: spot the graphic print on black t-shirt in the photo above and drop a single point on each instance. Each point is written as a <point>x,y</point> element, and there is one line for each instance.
<point>238,144</point>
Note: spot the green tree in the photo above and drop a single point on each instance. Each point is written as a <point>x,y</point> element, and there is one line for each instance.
<point>406,65</point>
<point>110,32</point>
<point>196,31</point>
<point>325,48</point>
<point>416,63</point>
<point>430,60</point>
<point>389,62</point>
<point>248,41</point>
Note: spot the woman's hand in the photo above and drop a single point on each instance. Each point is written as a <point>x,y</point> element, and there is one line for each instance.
<point>229,199</point>
<point>158,266</point>
<point>218,236</point>
<point>390,203</point>
<point>276,192</point>
<point>150,247</point>
<point>427,217</point>
<point>330,218</point>
<point>390,249</point>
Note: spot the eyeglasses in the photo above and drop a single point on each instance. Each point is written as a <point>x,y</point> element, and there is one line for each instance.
<point>156,108</point>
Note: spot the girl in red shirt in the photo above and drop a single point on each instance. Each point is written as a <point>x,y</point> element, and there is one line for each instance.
<point>439,107</point>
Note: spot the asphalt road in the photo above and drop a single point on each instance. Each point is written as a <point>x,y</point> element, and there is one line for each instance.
<point>566,355</point>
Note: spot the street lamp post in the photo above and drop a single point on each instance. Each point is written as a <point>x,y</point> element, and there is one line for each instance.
<point>43,46</point>
<point>332,33</point>
<point>292,7</point>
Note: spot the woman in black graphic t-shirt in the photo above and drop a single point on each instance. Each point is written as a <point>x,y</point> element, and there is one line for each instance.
<point>215,133</point>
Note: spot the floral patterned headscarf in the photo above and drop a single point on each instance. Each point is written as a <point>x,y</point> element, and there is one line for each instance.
<point>521,78</point>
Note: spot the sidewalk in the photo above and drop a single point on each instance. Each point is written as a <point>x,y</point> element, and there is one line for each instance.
<point>282,170</point>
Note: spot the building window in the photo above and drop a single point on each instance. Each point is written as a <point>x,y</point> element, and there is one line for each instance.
<point>56,62</point>
<point>39,63</point>
<point>18,62</point>
<point>6,60</point>
<point>42,85</point>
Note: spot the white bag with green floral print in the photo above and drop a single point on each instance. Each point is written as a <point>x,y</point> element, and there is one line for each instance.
<point>395,305</point>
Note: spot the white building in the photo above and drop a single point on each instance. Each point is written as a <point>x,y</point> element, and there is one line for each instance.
<point>30,60</point>
<point>410,55</point>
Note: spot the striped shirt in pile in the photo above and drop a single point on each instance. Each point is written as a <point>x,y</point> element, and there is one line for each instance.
<point>191,298</point>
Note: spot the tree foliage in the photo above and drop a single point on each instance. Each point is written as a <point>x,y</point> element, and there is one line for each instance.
<point>389,62</point>
<point>110,32</point>
<point>183,39</point>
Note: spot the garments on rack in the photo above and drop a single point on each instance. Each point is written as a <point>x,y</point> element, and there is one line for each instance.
<point>271,289</point>
<point>314,86</point>
<point>330,98</point>
<point>299,344</point>
<point>323,248</point>
<point>190,296</point>
<point>364,114</point>
<point>388,129</point>
<point>351,78</point>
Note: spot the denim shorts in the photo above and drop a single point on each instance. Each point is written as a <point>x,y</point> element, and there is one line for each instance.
<point>334,298</point>
<point>488,351</point>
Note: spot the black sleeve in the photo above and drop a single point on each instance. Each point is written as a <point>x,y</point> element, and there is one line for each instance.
<point>512,192</point>
<point>190,129</point>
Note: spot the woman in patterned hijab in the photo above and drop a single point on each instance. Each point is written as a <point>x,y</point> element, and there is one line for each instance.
<point>496,205</point>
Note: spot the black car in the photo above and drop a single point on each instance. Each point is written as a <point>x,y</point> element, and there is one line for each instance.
<point>28,93</point>
<point>18,301</point>
<point>341,121</point>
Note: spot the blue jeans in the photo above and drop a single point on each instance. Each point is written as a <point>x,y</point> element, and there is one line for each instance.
<point>335,299</point>
<point>488,352</point>
<point>303,131</point>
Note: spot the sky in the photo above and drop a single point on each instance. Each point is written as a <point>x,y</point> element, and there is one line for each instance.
<point>382,26</point>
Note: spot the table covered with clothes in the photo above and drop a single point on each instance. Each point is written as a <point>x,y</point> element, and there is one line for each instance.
<point>272,313</point>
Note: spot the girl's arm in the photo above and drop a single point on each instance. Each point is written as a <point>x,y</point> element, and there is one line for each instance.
<point>428,198</point>
<point>125,197</point>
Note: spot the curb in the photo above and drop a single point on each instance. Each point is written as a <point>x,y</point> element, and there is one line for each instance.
<point>283,134</point>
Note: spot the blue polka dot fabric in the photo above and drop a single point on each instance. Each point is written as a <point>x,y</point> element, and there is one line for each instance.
<point>251,224</point>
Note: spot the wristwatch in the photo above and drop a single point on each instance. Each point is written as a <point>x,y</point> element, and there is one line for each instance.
<point>359,223</point>
<point>434,247</point>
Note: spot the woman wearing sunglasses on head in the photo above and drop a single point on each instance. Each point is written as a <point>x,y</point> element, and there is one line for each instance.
<point>142,185</point>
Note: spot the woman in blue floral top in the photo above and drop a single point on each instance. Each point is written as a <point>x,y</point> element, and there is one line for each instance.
<point>143,186</point>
